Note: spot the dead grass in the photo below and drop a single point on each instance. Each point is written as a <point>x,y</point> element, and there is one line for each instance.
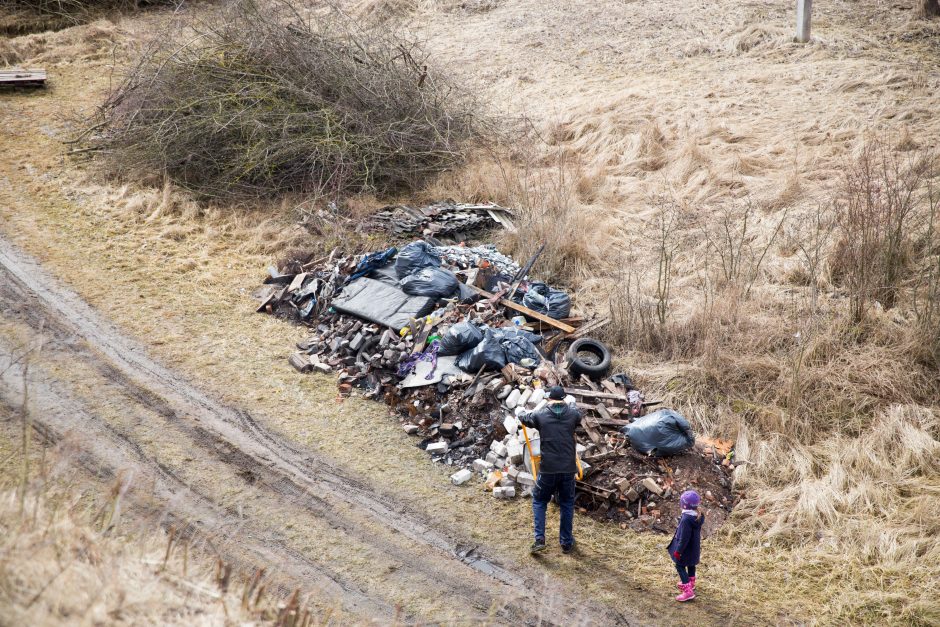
<point>838,423</point>
<point>69,557</point>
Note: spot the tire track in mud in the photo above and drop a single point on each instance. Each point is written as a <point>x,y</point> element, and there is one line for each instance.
<point>265,462</point>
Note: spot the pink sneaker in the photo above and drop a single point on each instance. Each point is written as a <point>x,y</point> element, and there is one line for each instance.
<point>687,593</point>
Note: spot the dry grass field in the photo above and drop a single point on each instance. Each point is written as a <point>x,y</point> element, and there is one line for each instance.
<point>696,133</point>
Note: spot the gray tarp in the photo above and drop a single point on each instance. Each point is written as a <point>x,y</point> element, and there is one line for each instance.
<point>381,303</point>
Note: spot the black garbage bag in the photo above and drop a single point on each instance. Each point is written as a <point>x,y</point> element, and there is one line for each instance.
<point>489,354</point>
<point>518,348</point>
<point>664,432</point>
<point>543,299</point>
<point>460,338</point>
<point>512,332</point>
<point>414,257</point>
<point>435,282</point>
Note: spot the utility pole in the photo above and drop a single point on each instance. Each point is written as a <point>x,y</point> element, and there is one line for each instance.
<point>804,10</point>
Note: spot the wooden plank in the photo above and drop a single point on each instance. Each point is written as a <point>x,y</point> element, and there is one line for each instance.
<point>600,409</point>
<point>603,457</point>
<point>594,434</point>
<point>567,328</point>
<point>583,379</point>
<point>590,327</point>
<point>592,394</point>
<point>297,283</point>
<point>596,490</point>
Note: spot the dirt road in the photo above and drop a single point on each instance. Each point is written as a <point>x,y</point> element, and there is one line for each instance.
<point>133,416</point>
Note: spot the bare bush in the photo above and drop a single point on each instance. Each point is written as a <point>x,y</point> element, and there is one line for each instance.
<point>737,243</point>
<point>880,214</point>
<point>929,8</point>
<point>38,15</point>
<point>926,301</point>
<point>261,99</point>
<point>815,236</point>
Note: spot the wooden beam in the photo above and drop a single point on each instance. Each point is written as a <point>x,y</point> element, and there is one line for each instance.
<point>804,11</point>
<point>505,302</point>
<point>594,434</point>
<point>592,394</point>
<point>23,77</point>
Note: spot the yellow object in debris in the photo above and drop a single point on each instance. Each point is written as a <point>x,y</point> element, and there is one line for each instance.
<point>535,458</point>
<point>493,478</point>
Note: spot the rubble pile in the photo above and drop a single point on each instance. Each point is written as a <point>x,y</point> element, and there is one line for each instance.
<point>459,344</point>
<point>445,218</point>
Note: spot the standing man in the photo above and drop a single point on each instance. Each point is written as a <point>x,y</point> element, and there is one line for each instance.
<point>556,423</point>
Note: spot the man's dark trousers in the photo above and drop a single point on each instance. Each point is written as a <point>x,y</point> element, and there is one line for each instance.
<point>546,485</point>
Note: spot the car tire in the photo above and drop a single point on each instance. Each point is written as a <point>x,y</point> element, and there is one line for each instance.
<point>595,367</point>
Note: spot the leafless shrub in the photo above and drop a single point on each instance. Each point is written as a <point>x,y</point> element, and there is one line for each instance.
<point>881,215</point>
<point>926,300</point>
<point>815,235</point>
<point>633,314</point>
<point>38,15</point>
<point>738,245</point>
<point>259,99</point>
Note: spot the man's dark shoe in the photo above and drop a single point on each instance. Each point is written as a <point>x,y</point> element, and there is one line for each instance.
<point>567,548</point>
<point>537,547</point>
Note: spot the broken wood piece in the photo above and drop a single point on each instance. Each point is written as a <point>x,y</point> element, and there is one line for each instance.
<point>603,457</point>
<point>592,394</point>
<point>602,410</point>
<point>421,338</point>
<point>596,490</point>
<point>594,434</point>
<point>297,283</point>
<point>17,77</point>
<point>509,373</point>
<point>589,327</point>
<point>589,383</point>
<point>273,299</point>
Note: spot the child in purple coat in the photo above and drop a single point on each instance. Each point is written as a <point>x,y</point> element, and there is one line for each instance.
<point>686,544</point>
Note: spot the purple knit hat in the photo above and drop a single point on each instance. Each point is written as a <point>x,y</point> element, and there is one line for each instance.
<point>689,499</point>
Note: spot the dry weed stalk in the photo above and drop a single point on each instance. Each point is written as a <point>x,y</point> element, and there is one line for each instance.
<point>736,242</point>
<point>261,99</point>
<point>43,15</point>
<point>881,216</point>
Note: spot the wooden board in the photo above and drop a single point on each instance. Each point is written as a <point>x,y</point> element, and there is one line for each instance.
<point>505,302</point>
<point>594,434</point>
<point>23,77</point>
<point>592,394</point>
<point>297,283</point>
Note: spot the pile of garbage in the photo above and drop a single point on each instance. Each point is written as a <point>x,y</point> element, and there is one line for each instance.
<point>441,219</point>
<point>459,342</point>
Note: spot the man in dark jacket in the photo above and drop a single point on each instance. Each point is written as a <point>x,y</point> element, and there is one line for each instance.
<point>556,423</point>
